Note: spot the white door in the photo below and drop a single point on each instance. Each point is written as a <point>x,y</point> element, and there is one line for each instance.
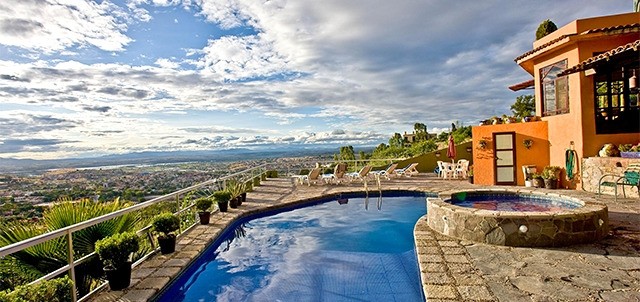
<point>505,156</point>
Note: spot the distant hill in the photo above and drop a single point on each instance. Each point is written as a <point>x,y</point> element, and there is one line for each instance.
<point>31,166</point>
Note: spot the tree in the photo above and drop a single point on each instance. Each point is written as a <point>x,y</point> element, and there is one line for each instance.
<point>524,106</point>
<point>45,257</point>
<point>545,28</point>
<point>346,153</point>
<point>420,130</point>
<point>396,140</point>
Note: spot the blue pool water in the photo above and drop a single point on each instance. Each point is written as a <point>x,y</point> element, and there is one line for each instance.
<point>512,202</point>
<point>351,249</point>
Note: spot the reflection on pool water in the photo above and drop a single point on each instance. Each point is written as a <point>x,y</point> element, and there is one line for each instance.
<point>346,249</point>
<point>512,203</point>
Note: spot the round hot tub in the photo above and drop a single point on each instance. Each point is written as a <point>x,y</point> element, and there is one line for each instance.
<point>513,218</point>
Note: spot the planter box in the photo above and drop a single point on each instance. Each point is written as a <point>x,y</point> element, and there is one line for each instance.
<point>630,154</point>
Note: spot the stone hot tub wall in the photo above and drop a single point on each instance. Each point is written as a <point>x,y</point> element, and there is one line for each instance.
<point>593,168</point>
<point>573,226</point>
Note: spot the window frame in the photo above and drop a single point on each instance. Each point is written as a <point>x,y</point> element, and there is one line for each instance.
<point>616,107</point>
<point>550,93</point>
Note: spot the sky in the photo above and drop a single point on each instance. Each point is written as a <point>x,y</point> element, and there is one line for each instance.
<point>90,78</point>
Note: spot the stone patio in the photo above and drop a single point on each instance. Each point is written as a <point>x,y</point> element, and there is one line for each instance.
<point>451,269</point>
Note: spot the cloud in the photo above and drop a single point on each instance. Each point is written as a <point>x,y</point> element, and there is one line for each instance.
<point>42,26</point>
<point>97,108</point>
<point>12,78</point>
<point>275,72</point>
<point>21,124</point>
<point>30,145</point>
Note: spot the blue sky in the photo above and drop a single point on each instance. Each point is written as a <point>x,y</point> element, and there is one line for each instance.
<point>88,78</point>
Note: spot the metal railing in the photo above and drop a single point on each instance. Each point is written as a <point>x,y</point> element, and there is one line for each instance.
<point>216,183</point>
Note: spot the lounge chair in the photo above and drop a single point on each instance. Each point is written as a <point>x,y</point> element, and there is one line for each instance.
<point>338,174</point>
<point>361,175</point>
<point>387,173</point>
<point>313,176</point>
<point>408,170</point>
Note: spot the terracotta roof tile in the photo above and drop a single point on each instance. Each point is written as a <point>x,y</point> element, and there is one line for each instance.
<point>633,27</point>
<point>523,85</point>
<point>586,64</point>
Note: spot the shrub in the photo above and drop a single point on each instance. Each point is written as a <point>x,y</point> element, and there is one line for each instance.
<point>203,204</point>
<point>551,172</point>
<point>55,290</point>
<point>235,188</point>
<point>114,250</point>
<point>165,223</point>
<point>272,174</point>
<point>221,196</point>
<point>545,28</point>
<point>256,181</point>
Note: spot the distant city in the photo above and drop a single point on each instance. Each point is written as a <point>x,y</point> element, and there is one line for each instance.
<point>27,187</point>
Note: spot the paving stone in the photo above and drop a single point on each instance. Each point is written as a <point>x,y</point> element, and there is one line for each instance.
<point>179,262</point>
<point>548,287</point>
<point>139,295</point>
<point>453,250</point>
<point>626,295</point>
<point>430,258</point>
<point>440,292</point>
<point>475,293</point>
<point>434,267</point>
<point>456,258</point>
<point>468,279</point>
<point>437,278</point>
<point>170,272</point>
<point>153,283</point>
<point>142,272</point>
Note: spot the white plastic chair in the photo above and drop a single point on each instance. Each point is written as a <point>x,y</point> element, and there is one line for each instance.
<point>461,169</point>
<point>448,170</point>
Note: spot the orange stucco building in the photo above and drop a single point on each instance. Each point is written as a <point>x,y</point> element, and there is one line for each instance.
<point>586,93</point>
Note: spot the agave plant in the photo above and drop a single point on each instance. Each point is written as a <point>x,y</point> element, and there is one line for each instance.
<point>50,255</point>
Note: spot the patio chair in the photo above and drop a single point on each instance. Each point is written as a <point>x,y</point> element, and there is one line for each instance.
<point>461,169</point>
<point>408,170</point>
<point>387,173</point>
<point>630,177</point>
<point>446,170</point>
<point>361,175</point>
<point>313,176</point>
<point>338,174</point>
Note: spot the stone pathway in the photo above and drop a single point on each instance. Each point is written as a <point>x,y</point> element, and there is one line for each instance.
<point>451,270</point>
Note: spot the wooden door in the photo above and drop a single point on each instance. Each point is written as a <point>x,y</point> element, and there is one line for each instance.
<point>505,156</point>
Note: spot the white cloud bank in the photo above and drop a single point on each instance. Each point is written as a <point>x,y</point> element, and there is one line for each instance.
<point>272,72</point>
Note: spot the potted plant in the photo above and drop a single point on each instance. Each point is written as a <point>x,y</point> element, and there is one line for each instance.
<point>550,180</point>
<point>222,198</point>
<point>115,252</point>
<point>537,180</point>
<point>166,223</point>
<point>236,189</point>
<point>203,204</point>
<point>551,174</point>
<point>482,144</point>
<point>629,150</point>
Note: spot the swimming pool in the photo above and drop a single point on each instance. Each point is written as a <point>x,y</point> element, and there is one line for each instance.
<point>343,249</point>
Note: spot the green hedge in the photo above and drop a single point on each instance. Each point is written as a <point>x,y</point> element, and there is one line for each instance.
<point>56,290</point>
